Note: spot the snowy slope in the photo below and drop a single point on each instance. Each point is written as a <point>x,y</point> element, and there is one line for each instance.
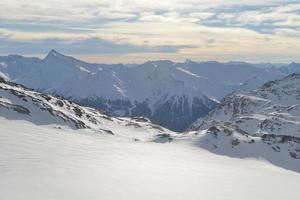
<point>171,94</point>
<point>261,123</point>
<point>19,103</point>
<point>39,162</point>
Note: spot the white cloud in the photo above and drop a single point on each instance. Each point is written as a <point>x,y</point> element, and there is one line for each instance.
<point>160,23</point>
<point>73,10</point>
<point>281,15</point>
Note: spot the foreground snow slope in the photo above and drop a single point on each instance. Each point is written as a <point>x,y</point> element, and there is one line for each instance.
<point>39,162</point>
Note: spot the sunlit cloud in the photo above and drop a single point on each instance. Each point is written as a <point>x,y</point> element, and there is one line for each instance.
<point>130,30</point>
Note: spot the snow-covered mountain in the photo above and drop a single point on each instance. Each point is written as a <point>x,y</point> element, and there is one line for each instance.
<point>53,71</point>
<point>171,94</point>
<point>52,148</point>
<point>21,104</point>
<point>291,68</point>
<point>261,123</point>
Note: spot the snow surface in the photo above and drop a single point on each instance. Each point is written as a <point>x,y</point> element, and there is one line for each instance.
<point>188,72</point>
<point>39,162</point>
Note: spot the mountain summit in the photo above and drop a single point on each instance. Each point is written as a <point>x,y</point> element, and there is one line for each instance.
<point>53,52</point>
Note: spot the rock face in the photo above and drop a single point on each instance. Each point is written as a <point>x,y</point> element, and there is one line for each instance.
<point>20,103</point>
<point>257,123</point>
<point>175,113</point>
<point>171,94</point>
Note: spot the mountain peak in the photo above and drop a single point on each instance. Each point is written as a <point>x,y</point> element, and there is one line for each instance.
<point>188,60</point>
<point>53,53</point>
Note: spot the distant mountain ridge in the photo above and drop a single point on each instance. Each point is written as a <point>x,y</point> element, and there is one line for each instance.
<point>171,94</point>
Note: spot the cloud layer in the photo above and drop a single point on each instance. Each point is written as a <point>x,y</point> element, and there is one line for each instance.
<point>138,30</point>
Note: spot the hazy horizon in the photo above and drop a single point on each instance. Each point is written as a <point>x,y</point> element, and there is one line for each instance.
<point>99,61</point>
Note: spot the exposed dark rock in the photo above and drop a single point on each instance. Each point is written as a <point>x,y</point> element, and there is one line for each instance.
<point>48,98</point>
<point>163,138</point>
<point>78,111</point>
<point>108,131</point>
<point>140,119</point>
<point>60,103</point>
<point>134,124</point>
<point>235,142</point>
<point>213,129</point>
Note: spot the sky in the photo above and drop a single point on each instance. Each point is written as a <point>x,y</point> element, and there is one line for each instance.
<point>134,31</point>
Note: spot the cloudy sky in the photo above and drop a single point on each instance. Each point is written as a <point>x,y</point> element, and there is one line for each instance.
<point>114,31</point>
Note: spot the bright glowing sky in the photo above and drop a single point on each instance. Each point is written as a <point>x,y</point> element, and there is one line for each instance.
<point>139,30</point>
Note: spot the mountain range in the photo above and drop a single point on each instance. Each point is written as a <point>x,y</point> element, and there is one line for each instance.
<point>52,147</point>
<point>172,94</point>
<point>262,123</point>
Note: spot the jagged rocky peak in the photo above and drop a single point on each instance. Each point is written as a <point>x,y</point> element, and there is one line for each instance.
<point>57,58</point>
<point>53,53</point>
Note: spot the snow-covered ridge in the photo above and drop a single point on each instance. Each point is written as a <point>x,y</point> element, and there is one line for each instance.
<point>20,103</point>
<point>260,123</point>
<point>277,101</point>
